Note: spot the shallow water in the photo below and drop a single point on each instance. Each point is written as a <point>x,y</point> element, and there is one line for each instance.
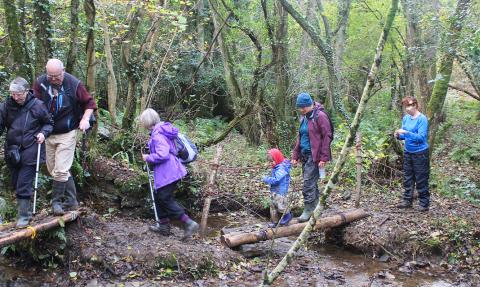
<point>325,265</point>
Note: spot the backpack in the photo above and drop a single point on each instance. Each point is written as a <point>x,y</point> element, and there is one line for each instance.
<point>315,116</point>
<point>186,150</point>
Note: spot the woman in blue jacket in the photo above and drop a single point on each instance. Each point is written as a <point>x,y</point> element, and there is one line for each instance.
<point>416,162</point>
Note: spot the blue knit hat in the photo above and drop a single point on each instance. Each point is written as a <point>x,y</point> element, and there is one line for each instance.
<point>304,100</point>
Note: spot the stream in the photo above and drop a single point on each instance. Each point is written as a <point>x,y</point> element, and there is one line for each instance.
<point>318,265</point>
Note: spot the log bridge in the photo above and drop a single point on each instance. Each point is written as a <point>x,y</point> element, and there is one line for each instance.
<point>233,237</point>
<point>9,234</point>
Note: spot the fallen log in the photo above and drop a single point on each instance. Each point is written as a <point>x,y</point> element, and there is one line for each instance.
<point>235,239</point>
<point>31,231</point>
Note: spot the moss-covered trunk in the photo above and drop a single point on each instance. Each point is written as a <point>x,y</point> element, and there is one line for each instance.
<point>43,34</point>
<point>444,68</point>
<point>21,66</point>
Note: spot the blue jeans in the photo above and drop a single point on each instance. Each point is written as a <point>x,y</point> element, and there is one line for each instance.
<point>416,172</point>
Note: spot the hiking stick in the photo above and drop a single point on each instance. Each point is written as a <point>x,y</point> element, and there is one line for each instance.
<point>36,179</point>
<point>151,192</point>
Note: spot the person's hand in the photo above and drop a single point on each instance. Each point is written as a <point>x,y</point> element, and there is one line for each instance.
<point>144,156</point>
<point>84,125</point>
<point>294,161</point>
<point>396,134</point>
<point>321,164</point>
<point>40,138</point>
<point>401,131</point>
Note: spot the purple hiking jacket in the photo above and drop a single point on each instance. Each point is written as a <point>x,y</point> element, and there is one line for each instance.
<point>167,168</point>
<point>320,134</point>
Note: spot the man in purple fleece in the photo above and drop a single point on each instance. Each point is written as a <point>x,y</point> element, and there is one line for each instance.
<point>167,172</point>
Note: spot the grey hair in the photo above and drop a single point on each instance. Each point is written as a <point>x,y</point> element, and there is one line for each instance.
<point>19,85</point>
<point>149,118</point>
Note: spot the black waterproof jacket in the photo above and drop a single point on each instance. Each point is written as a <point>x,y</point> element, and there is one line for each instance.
<point>23,123</point>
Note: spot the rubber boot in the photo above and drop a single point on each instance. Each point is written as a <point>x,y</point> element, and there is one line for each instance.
<point>57,196</point>
<point>286,219</point>
<point>307,211</point>
<point>23,212</point>
<point>163,229</point>
<point>71,202</point>
<point>404,204</point>
<point>190,228</point>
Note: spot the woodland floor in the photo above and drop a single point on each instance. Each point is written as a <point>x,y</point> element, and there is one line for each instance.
<point>113,247</point>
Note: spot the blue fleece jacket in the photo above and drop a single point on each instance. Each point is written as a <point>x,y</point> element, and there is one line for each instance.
<point>417,133</point>
<point>279,181</point>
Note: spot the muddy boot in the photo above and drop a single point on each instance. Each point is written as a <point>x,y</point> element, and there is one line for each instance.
<point>423,208</point>
<point>307,211</point>
<point>23,212</point>
<point>163,229</point>
<point>404,204</point>
<point>286,219</point>
<point>57,196</point>
<point>190,228</point>
<point>71,202</point>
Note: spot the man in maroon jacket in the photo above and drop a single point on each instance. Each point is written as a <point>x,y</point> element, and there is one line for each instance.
<point>71,107</point>
<point>312,149</point>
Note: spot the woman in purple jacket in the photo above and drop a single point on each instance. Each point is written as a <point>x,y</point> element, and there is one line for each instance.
<point>167,172</point>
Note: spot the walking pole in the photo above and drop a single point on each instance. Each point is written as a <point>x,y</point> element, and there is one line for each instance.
<point>151,192</point>
<point>36,179</point>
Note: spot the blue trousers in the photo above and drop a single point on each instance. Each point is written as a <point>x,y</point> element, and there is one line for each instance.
<point>416,173</point>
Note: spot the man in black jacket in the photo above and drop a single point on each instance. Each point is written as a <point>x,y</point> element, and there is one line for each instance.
<point>28,123</point>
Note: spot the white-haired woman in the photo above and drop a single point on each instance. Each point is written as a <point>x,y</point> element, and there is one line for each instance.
<point>167,172</point>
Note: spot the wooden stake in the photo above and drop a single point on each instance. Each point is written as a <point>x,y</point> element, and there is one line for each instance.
<point>358,175</point>
<point>236,239</point>
<point>210,188</point>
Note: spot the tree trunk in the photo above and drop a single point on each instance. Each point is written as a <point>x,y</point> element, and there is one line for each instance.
<point>148,65</point>
<point>130,67</point>
<point>42,29</point>
<point>341,34</point>
<point>282,105</point>
<point>444,68</point>
<point>417,55</point>
<point>89,6</point>
<point>23,28</point>
<point>19,53</point>
<point>344,152</point>
<point>111,79</point>
<point>327,53</point>
<point>72,49</point>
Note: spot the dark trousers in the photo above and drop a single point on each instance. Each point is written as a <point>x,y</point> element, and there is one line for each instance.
<point>416,172</point>
<point>165,203</point>
<point>310,178</point>
<point>22,180</point>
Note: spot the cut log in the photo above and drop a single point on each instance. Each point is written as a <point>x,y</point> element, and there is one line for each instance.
<point>250,228</point>
<point>31,231</point>
<point>234,239</point>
